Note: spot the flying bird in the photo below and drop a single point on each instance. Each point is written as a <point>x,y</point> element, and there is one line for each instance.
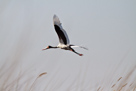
<point>63,38</point>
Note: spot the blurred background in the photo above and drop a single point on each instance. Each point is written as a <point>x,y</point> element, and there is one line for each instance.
<point>106,27</point>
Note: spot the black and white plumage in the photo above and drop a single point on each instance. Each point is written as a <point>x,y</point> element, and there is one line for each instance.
<point>63,37</point>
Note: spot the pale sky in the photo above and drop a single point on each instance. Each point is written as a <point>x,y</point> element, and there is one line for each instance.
<point>106,27</point>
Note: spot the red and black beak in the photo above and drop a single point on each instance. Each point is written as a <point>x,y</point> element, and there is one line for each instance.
<point>46,48</point>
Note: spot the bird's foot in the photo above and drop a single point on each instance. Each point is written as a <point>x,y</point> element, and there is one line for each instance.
<point>80,54</point>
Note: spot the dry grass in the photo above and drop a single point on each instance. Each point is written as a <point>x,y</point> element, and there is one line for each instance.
<point>122,83</point>
<point>36,80</point>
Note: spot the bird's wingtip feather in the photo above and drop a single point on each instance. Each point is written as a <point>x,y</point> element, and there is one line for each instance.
<point>54,16</point>
<point>56,20</point>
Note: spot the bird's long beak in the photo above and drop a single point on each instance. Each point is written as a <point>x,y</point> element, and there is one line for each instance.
<point>45,48</point>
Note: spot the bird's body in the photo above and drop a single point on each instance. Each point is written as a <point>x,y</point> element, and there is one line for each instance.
<point>63,37</point>
<point>63,46</point>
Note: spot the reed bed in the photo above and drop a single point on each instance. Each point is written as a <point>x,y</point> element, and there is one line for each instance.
<point>22,82</point>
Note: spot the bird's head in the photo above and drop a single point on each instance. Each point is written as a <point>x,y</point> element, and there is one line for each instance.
<point>48,47</point>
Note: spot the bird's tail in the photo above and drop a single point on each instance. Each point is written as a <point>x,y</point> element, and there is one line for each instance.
<point>78,46</point>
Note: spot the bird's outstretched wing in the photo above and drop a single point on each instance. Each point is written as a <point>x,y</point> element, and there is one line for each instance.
<point>63,37</point>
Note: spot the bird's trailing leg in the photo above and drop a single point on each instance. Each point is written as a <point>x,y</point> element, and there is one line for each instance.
<point>76,52</point>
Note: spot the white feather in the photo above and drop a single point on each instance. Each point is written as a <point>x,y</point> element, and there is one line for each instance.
<point>80,47</point>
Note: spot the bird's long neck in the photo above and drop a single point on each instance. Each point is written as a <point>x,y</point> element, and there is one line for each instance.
<point>53,47</point>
